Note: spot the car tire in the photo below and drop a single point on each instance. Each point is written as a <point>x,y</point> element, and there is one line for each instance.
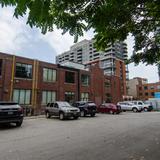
<point>93,114</point>
<point>61,116</point>
<point>145,109</point>
<point>48,115</point>
<point>18,124</point>
<point>134,109</point>
<point>76,117</point>
<point>82,113</point>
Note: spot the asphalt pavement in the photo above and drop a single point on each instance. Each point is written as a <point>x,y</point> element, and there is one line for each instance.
<point>128,136</point>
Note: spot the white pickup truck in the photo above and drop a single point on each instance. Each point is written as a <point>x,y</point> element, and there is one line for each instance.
<point>129,106</point>
<point>146,107</point>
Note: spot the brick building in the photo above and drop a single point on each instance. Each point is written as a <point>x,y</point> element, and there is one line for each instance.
<point>148,90</point>
<point>132,86</point>
<point>34,83</point>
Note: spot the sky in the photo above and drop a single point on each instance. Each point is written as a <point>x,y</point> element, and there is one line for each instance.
<point>19,39</point>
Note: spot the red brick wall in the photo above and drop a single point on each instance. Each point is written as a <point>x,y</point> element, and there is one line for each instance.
<point>97,84</point>
<point>96,89</point>
<point>5,79</point>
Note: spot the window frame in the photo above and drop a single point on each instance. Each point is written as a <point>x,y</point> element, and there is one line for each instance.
<point>47,100</point>
<point>24,99</point>
<point>53,72</point>
<point>88,81</point>
<point>21,65</point>
<point>66,76</point>
<point>85,98</point>
<point>145,87</point>
<point>71,96</point>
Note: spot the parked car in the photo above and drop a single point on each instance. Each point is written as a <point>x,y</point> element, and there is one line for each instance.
<point>86,108</point>
<point>109,108</point>
<point>129,106</point>
<point>11,112</point>
<point>146,107</point>
<point>62,109</point>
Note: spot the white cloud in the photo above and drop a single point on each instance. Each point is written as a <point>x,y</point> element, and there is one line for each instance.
<point>149,72</point>
<point>12,34</point>
<point>62,43</point>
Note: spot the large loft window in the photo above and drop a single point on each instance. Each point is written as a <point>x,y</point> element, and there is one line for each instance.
<point>70,97</point>
<point>0,67</point>
<point>23,70</point>
<point>22,96</point>
<point>49,75</point>
<point>69,77</point>
<point>85,80</point>
<point>48,96</point>
<point>84,96</point>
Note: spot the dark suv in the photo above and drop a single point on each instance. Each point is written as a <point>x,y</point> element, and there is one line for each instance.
<point>86,108</point>
<point>11,112</point>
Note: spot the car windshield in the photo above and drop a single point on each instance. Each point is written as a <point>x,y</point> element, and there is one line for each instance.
<point>64,104</point>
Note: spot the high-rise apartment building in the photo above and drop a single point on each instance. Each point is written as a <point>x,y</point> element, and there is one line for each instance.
<point>84,52</point>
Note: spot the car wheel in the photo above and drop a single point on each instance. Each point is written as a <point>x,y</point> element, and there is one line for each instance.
<point>61,116</point>
<point>93,114</point>
<point>145,109</point>
<point>111,112</point>
<point>18,124</point>
<point>82,114</point>
<point>135,110</point>
<point>47,115</point>
<point>76,117</point>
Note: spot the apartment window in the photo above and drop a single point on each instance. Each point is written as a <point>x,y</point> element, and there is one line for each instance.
<point>23,70</point>
<point>49,75</point>
<point>48,96</point>
<point>108,95</point>
<point>107,83</point>
<point>145,87</point>
<point>84,96</point>
<point>151,87</point>
<point>22,96</point>
<point>0,67</point>
<point>85,79</point>
<point>70,97</point>
<point>152,93</point>
<point>146,94</point>
<point>140,94</point>
<point>69,77</point>
<point>108,98</point>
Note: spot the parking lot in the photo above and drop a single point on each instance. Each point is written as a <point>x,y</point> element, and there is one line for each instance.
<point>134,136</point>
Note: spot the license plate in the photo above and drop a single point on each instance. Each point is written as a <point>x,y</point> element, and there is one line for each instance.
<point>9,113</point>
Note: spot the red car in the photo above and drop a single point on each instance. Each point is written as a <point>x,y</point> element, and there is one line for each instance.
<point>109,108</point>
